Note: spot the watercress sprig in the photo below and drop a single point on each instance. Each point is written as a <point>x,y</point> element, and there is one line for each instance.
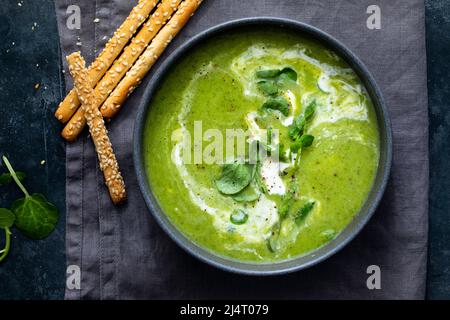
<point>235,178</point>
<point>6,178</point>
<point>271,82</point>
<point>6,222</point>
<point>35,217</point>
<point>304,212</point>
<point>278,103</point>
<point>296,131</point>
<point>300,141</point>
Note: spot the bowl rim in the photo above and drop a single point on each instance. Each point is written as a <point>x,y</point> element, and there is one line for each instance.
<point>357,223</point>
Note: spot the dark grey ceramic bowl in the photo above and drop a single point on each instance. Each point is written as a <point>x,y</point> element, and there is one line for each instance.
<point>359,220</point>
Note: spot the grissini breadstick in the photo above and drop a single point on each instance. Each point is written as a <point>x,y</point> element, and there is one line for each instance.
<point>107,159</point>
<point>149,57</point>
<point>123,64</point>
<point>112,49</point>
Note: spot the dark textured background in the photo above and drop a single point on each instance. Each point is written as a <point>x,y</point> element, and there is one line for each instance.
<point>29,134</point>
<point>438,56</point>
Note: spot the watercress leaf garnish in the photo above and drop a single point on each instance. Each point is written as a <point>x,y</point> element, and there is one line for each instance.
<point>4,252</point>
<point>238,217</point>
<point>304,212</point>
<point>303,142</point>
<point>290,73</point>
<point>14,176</point>
<point>257,178</point>
<point>278,103</point>
<point>273,243</point>
<point>281,152</point>
<point>268,87</point>
<point>249,194</point>
<point>295,146</point>
<point>300,122</point>
<point>35,216</point>
<point>235,177</point>
<point>294,131</point>
<point>6,178</point>
<point>328,234</point>
<point>6,218</point>
<point>310,109</point>
<point>306,140</point>
<point>287,201</point>
<point>269,73</point>
<point>284,209</point>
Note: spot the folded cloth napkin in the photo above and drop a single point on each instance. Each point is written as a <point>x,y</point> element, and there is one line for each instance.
<point>123,254</point>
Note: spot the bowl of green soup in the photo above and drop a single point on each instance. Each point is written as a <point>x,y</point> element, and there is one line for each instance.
<point>262,146</point>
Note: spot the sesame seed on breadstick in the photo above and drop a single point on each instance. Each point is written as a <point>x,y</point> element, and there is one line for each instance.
<point>106,157</point>
<point>149,57</point>
<point>131,53</point>
<point>105,59</point>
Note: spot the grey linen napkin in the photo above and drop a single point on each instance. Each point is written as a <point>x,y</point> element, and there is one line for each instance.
<point>122,252</point>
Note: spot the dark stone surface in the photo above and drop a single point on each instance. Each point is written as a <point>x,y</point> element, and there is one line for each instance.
<point>438,54</point>
<point>29,134</point>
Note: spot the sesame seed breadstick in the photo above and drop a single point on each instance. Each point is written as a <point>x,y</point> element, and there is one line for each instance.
<point>107,159</point>
<point>131,53</point>
<point>149,57</point>
<point>105,59</point>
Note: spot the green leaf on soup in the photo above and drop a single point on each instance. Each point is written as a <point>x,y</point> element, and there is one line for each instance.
<point>285,73</point>
<point>304,212</point>
<point>235,177</point>
<point>269,73</point>
<point>303,142</point>
<point>4,252</point>
<point>306,140</point>
<point>258,180</point>
<point>35,216</point>
<point>300,123</point>
<point>287,202</point>
<point>6,178</point>
<point>281,152</point>
<point>273,243</point>
<point>310,109</point>
<point>249,194</point>
<point>268,87</point>
<point>294,131</point>
<point>328,234</point>
<point>278,103</point>
<point>289,73</point>
<point>7,218</point>
<point>238,217</point>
